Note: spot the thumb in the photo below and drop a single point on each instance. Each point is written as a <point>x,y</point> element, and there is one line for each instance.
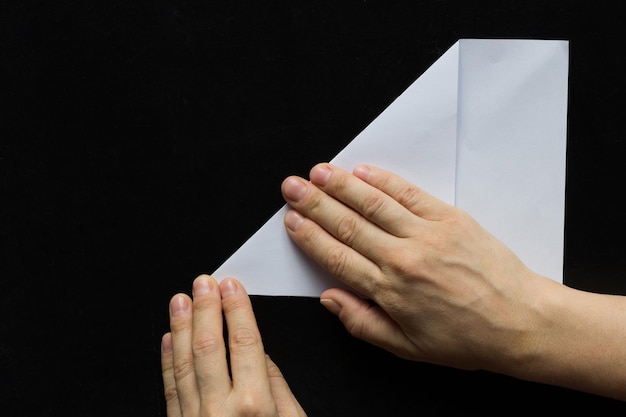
<point>286,402</point>
<point>368,322</point>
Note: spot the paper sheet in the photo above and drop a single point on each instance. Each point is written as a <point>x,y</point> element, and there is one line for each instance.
<point>485,129</point>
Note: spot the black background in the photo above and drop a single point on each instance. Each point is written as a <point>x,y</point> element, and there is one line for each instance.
<point>141,142</point>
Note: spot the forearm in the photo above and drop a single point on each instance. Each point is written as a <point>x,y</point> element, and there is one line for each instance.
<point>579,342</point>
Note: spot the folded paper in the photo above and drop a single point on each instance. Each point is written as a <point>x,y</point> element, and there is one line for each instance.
<point>485,129</point>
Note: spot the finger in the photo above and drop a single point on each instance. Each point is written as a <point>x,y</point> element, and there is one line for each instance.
<point>247,356</point>
<point>182,327</point>
<point>344,223</point>
<point>286,402</point>
<point>343,262</point>
<point>208,347</point>
<point>374,204</point>
<point>406,194</point>
<point>367,322</point>
<point>172,403</point>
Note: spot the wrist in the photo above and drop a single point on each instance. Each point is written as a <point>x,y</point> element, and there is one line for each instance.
<point>525,345</point>
<point>571,340</point>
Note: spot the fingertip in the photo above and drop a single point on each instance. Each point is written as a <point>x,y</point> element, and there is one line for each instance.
<point>179,304</point>
<point>293,220</point>
<point>327,293</point>
<point>331,305</point>
<point>320,165</point>
<point>166,343</point>
<point>338,294</point>
<point>206,277</point>
<point>230,286</point>
<point>294,188</point>
<point>320,174</point>
<point>287,179</point>
<point>338,300</point>
<point>203,284</point>
<point>362,171</point>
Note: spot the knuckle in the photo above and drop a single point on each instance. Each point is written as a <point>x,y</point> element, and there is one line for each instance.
<point>405,260</point>
<point>309,237</point>
<point>204,307</point>
<point>373,205</point>
<point>340,183</point>
<point>347,229</point>
<point>183,368</point>
<point>167,367</point>
<point>409,196</point>
<point>314,203</point>
<point>242,340</point>
<point>273,371</point>
<point>171,394</point>
<point>180,324</point>
<point>356,327</point>
<point>204,344</point>
<point>386,180</point>
<point>253,404</point>
<point>337,261</point>
<point>233,305</point>
<point>461,221</point>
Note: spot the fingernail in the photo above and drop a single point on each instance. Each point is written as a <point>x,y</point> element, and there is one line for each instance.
<point>179,305</point>
<point>293,220</point>
<point>362,172</point>
<point>294,189</point>
<point>166,343</point>
<point>331,305</point>
<point>201,285</point>
<point>228,287</point>
<point>320,174</point>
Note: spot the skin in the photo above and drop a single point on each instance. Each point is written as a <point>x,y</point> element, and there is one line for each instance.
<point>446,291</point>
<point>195,368</point>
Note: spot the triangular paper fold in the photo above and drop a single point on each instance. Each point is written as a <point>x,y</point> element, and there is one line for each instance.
<point>484,128</point>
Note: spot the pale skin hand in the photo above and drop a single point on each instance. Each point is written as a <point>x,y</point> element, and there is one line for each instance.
<point>446,291</point>
<point>193,355</point>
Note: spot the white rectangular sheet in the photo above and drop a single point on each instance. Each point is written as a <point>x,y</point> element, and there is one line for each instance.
<point>484,128</point>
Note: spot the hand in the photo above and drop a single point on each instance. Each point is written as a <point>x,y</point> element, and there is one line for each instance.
<point>196,374</point>
<point>446,291</point>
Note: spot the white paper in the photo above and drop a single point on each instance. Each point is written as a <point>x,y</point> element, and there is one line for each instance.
<point>485,129</point>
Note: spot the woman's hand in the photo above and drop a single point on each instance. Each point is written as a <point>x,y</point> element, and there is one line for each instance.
<point>198,378</point>
<point>446,290</point>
